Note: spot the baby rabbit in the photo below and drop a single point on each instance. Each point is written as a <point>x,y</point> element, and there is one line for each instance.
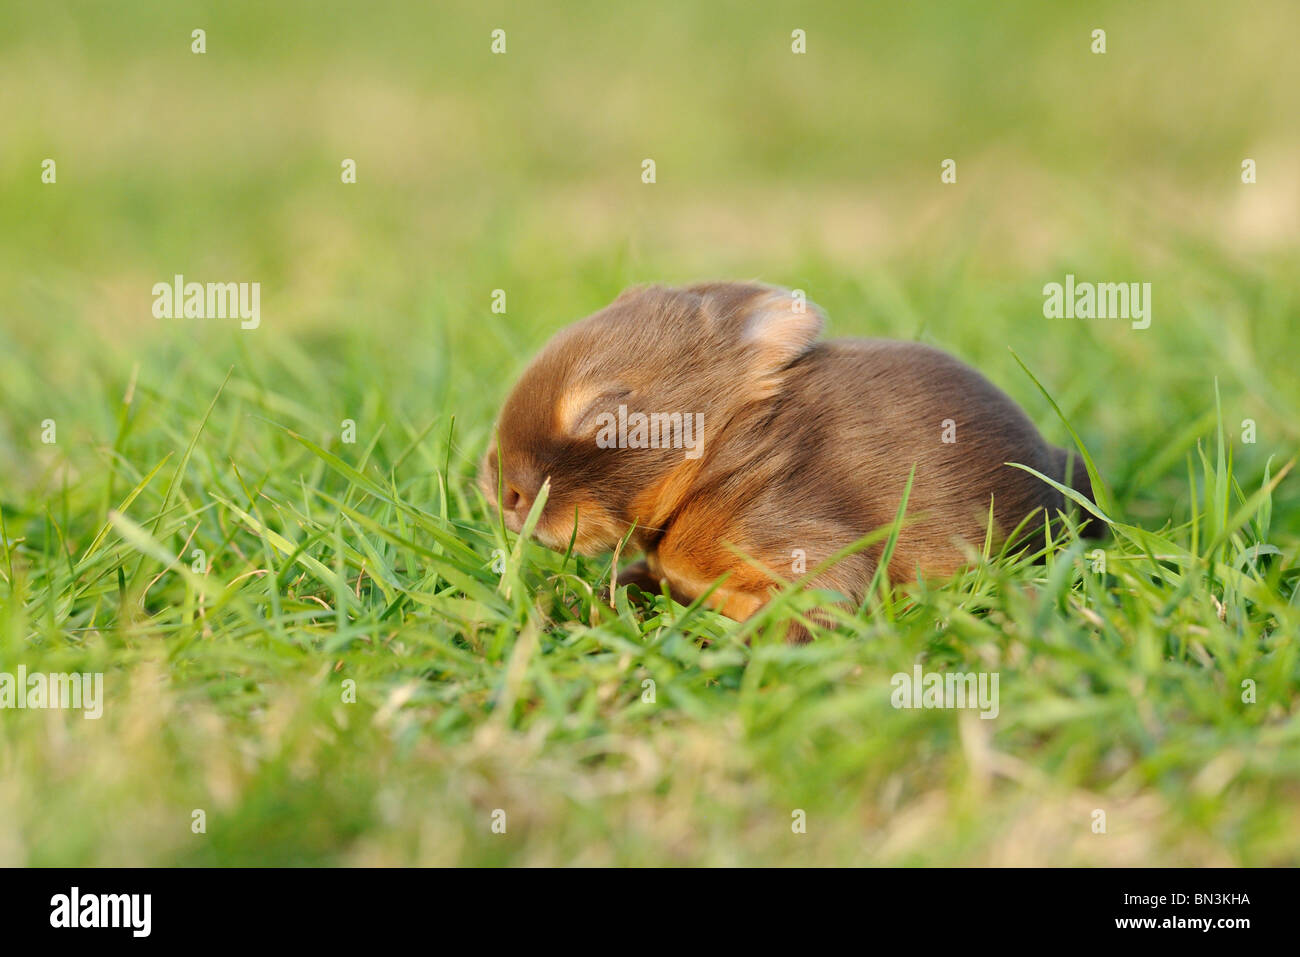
<point>711,421</point>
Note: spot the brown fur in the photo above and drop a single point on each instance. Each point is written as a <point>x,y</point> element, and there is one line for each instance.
<point>806,446</point>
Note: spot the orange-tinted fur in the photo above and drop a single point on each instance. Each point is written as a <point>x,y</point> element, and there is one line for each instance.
<point>806,446</point>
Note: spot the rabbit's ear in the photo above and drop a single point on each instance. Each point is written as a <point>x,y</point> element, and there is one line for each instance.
<point>579,406</point>
<point>781,326</point>
<point>776,326</point>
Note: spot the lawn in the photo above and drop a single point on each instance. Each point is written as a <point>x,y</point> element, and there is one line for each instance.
<point>319,647</point>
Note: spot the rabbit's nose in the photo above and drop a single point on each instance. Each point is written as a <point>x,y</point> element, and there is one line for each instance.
<point>510,500</point>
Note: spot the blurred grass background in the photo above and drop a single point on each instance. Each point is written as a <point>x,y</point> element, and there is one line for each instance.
<point>523,172</point>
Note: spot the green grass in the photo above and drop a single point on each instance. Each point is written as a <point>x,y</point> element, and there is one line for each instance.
<point>230,688</point>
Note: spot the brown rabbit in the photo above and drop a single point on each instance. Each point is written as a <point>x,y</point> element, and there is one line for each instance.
<point>711,420</point>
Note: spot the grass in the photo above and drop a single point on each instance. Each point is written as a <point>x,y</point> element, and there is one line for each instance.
<point>306,638</point>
